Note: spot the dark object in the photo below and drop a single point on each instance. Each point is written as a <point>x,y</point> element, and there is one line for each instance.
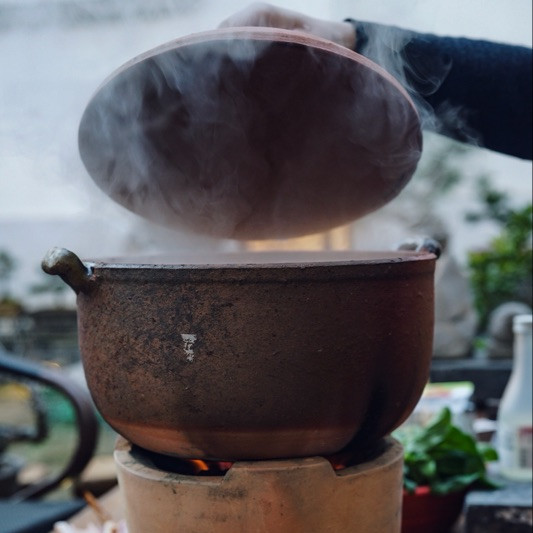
<point>426,244</point>
<point>251,133</point>
<point>85,417</point>
<point>10,465</point>
<point>258,356</point>
<point>488,376</point>
<point>438,69</point>
<point>507,510</point>
<point>35,517</point>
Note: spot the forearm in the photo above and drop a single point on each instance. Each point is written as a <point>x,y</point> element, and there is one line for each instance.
<point>479,91</point>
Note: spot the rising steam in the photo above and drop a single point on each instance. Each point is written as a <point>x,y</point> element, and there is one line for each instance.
<point>234,134</point>
<point>420,74</point>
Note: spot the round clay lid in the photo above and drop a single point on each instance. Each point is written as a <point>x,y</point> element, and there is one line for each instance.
<point>251,133</point>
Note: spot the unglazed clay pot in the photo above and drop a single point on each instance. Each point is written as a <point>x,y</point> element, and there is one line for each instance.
<point>254,356</point>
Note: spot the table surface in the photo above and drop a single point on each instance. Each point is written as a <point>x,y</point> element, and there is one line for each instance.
<point>111,503</point>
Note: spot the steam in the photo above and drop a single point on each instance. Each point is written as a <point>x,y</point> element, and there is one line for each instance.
<point>421,76</point>
<point>232,136</point>
<point>210,183</point>
<point>159,173</point>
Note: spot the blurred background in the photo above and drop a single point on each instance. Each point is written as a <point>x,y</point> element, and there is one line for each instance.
<point>55,53</point>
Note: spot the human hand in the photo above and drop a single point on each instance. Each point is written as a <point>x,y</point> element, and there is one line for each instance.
<point>266,15</point>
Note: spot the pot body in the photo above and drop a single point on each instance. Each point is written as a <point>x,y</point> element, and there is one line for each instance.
<point>257,361</point>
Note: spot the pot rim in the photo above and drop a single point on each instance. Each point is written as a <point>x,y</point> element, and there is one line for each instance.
<point>259,260</point>
<point>364,266</point>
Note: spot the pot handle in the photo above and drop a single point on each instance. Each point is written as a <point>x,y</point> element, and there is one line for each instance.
<point>66,264</point>
<point>424,244</point>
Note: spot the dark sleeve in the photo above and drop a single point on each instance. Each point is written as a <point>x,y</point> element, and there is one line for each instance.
<point>478,91</point>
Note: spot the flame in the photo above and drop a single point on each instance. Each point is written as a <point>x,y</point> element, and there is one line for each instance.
<point>337,464</point>
<point>199,465</point>
<point>340,460</point>
<point>214,468</point>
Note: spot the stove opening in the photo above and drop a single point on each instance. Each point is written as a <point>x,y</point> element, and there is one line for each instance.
<point>202,467</point>
<point>177,465</point>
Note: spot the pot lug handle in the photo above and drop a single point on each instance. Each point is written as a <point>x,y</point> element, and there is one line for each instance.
<point>69,267</point>
<point>423,244</point>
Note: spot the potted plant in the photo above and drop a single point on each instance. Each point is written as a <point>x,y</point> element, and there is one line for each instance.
<point>441,463</point>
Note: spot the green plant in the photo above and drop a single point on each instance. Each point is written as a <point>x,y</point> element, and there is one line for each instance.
<point>444,457</point>
<point>501,272</point>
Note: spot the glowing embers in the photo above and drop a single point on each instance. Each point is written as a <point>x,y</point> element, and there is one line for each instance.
<point>202,467</point>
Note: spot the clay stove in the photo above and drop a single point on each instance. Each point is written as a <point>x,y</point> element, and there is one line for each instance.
<point>304,495</point>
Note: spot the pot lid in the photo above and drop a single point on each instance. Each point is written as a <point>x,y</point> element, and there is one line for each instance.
<point>251,133</point>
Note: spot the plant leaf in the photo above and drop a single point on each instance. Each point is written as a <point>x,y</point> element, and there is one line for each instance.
<point>454,484</point>
<point>444,457</point>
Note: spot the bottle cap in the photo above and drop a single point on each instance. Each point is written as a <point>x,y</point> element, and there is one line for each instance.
<point>522,323</point>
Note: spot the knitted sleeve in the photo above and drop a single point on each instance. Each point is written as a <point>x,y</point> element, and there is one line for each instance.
<point>471,90</point>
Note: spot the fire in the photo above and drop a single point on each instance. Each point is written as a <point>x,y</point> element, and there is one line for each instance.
<point>337,463</point>
<point>199,465</point>
<point>340,460</point>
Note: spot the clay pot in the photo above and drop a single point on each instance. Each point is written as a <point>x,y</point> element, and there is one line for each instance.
<point>255,357</point>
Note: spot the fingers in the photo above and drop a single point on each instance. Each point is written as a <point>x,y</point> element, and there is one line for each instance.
<point>269,16</point>
<point>265,15</point>
<point>256,14</point>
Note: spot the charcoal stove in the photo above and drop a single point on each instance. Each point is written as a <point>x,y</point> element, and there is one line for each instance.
<point>301,495</point>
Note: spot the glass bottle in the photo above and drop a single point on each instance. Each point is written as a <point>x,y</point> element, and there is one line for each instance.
<point>515,412</point>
